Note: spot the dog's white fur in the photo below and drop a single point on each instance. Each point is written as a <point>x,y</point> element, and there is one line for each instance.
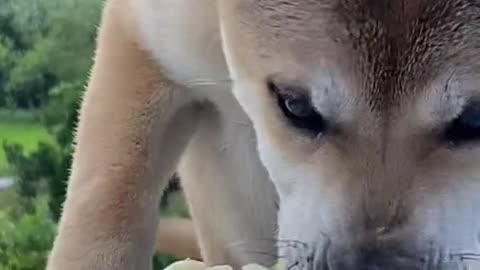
<point>160,99</point>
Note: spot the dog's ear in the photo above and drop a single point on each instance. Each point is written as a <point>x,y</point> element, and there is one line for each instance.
<point>176,237</point>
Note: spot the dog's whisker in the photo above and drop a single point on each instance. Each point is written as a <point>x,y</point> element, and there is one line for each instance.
<point>301,249</point>
<point>469,259</point>
<point>265,253</point>
<point>277,242</point>
<point>297,263</point>
<point>466,256</point>
<point>207,82</point>
<point>279,246</point>
<point>294,241</point>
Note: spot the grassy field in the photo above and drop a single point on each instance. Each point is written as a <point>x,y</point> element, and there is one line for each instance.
<point>21,128</point>
<point>8,198</point>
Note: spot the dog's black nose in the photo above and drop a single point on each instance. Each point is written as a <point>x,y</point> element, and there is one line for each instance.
<point>386,259</point>
<point>370,258</point>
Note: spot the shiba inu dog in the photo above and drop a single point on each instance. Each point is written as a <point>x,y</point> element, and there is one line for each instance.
<point>336,134</point>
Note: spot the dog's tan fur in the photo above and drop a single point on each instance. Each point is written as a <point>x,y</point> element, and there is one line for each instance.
<point>181,84</point>
<point>177,237</point>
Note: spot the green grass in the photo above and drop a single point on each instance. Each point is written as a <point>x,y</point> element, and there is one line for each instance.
<point>8,198</point>
<point>23,116</point>
<point>22,128</point>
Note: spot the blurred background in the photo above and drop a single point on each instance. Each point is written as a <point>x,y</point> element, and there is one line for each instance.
<point>46,51</point>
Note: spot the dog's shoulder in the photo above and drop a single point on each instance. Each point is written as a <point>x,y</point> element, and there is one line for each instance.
<point>182,35</point>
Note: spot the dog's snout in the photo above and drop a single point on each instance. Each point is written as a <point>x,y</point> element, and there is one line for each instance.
<point>369,258</point>
<point>378,259</point>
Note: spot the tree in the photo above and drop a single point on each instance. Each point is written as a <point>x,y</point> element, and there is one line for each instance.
<point>38,49</point>
<point>26,241</point>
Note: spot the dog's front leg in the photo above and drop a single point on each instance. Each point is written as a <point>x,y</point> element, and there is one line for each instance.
<point>132,130</point>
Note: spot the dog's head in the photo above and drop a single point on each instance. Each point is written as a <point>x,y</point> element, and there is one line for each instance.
<point>367,115</point>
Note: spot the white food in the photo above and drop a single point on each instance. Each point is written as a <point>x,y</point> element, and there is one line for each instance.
<point>197,265</point>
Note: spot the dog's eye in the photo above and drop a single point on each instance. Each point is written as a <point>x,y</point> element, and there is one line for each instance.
<point>466,127</point>
<point>299,110</point>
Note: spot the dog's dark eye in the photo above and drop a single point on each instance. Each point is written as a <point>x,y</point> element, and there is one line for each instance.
<point>466,127</point>
<point>299,110</point>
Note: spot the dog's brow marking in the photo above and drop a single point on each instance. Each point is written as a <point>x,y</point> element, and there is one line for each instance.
<point>396,46</point>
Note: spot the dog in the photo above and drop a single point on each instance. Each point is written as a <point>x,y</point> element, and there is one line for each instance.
<point>334,134</point>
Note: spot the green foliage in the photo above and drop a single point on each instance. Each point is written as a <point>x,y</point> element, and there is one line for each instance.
<point>25,241</point>
<point>29,80</point>
<point>30,170</point>
<point>7,61</point>
<point>55,42</point>
<point>43,43</point>
<point>174,203</point>
<point>160,261</point>
<point>50,163</point>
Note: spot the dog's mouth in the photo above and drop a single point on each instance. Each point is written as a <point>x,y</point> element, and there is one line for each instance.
<point>379,258</point>
<point>384,263</point>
